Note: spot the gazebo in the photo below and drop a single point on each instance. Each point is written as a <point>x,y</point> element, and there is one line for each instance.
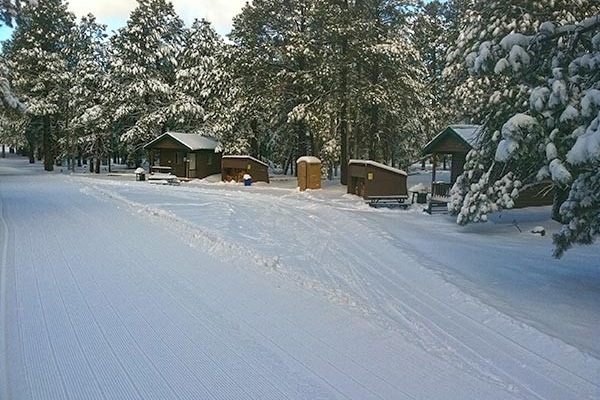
<point>456,141</point>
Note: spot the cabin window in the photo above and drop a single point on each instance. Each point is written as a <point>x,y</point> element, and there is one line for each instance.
<point>178,157</point>
<point>210,159</point>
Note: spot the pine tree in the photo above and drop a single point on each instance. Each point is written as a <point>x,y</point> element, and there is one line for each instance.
<point>10,10</point>
<point>200,81</point>
<point>143,64</point>
<point>330,74</point>
<point>88,130</point>
<point>38,71</point>
<point>552,134</point>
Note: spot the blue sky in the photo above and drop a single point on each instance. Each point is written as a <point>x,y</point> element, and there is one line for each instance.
<point>115,13</point>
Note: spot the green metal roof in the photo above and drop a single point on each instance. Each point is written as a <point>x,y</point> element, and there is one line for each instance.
<point>465,135</point>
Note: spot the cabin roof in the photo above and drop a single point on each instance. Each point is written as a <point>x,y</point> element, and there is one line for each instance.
<point>465,135</point>
<point>191,141</point>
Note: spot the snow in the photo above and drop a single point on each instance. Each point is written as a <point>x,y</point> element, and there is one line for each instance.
<point>118,289</point>
<point>308,160</point>
<point>378,165</point>
<point>513,132</point>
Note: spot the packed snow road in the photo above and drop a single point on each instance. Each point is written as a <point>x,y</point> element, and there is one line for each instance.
<point>114,289</point>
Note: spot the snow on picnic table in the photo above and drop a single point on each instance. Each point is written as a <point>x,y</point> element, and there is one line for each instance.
<point>117,289</point>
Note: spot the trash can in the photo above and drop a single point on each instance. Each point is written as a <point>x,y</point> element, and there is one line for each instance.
<point>140,174</point>
<point>421,197</point>
<point>247,180</point>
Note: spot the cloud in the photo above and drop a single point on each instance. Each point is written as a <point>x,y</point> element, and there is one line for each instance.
<point>116,12</point>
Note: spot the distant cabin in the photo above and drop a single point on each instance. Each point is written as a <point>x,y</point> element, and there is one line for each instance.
<point>369,179</point>
<point>233,168</point>
<point>188,155</point>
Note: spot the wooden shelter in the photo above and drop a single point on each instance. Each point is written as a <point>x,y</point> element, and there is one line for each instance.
<point>376,182</point>
<point>309,173</point>
<point>187,154</point>
<point>233,168</point>
<point>456,141</point>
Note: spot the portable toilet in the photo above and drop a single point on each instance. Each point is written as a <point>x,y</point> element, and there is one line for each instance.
<point>309,173</point>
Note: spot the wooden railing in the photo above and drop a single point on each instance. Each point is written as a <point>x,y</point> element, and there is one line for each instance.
<point>440,189</point>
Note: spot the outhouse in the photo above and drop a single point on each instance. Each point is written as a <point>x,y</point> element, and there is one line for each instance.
<point>233,168</point>
<point>185,155</point>
<point>309,173</point>
<point>369,179</point>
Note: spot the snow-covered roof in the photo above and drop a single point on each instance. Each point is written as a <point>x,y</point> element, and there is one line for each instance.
<point>246,158</point>
<point>308,160</point>
<point>466,134</point>
<point>192,141</point>
<point>378,165</point>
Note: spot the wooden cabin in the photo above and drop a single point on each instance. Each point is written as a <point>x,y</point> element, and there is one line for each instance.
<point>188,155</point>
<point>233,168</point>
<point>373,181</point>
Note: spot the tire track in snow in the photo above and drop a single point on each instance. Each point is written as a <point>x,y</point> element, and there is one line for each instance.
<point>484,361</point>
<point>158,305</point>
<point>160,213</point>
<point>434,309</point>
<point>3,288</point>
<point>415,254</point>
<point>409,289</point>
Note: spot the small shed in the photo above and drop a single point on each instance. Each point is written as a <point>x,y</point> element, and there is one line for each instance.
<point>189,155</point>
<point>309,173</point>
<point>233,168</point>
<point>456,141</point>
<point>369,179</point>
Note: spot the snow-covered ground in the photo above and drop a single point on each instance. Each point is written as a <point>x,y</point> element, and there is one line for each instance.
<point>117,289</point>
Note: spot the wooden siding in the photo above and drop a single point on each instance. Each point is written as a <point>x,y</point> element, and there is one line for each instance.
<point>234,168</point>
<point>367,180</point>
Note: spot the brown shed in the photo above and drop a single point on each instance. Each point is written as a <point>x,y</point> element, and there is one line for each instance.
<point>233,168</point>
<point>189,155</point>
<point>309,173</point>
<point>370,179</point>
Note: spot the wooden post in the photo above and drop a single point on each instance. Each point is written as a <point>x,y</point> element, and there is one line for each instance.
<point>433,162</point>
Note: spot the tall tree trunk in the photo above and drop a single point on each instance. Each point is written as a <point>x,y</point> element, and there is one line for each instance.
<point>560,196</point>
<point>47,144</point>
<point>344,105</point>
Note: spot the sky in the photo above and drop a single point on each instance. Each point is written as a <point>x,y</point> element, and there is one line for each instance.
<point>115,13</point>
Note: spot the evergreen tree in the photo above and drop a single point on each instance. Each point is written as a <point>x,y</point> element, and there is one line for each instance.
<point>552,134</point>
<point>328,75</point>
<point>10,10</point>
<point>143,64</point>
<point>436,30</point>
<point>39,73</point>
<point>200,84</point>
<point>88,130</point>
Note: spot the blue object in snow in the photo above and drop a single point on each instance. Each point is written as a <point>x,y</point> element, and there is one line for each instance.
<point>247,180</point>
